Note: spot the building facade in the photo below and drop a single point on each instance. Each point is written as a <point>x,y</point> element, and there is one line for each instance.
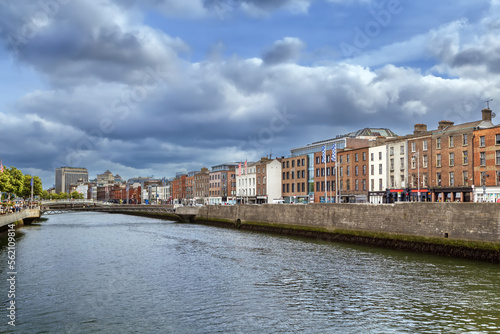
<point>295,171</point>
<point>65,176</point>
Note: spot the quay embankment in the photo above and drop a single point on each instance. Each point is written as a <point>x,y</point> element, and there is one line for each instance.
<point>461,230</point>
<point>25,216</point>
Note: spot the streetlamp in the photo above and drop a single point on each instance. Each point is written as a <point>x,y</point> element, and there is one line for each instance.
<point>416,156</point>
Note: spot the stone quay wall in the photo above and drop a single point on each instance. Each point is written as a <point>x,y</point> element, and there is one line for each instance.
<point>463,221</point>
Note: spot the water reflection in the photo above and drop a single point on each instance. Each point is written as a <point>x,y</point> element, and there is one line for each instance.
<point>95,273</point>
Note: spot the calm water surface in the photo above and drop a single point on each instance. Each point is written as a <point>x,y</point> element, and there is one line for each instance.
<point>103,273</point>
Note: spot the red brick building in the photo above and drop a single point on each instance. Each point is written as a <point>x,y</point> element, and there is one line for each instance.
<point>486,144</point>
<point>294,180</point>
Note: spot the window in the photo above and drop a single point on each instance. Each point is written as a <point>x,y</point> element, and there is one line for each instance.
<point>413,162</point>
<point>287,164</point>
<point>391,151</point>
<point>364,169</point>
<point>482,158</point>
<point>348,171</point>
<point>392,181</point>
<point>356,157</point>
<point>371,156</point>
<point>317,160</point>
<point>327,171</point>
<point>482,141</point>
<point>341,185</point>
<point>465,157</point>
<point>303,162</point>
<point>356,170</point>
<point>293,175</point>
<point>364,156</point>
<point>413,147</point>
<point>465,178</point>
<point>317,186</point>
<point>293,187</point>
<point>424,144</point>
<point>333,171</point>
<point>317,171</point>
<point>372,170</point>
<point>303,174</point>
<point>380,184</point>
<point>298,163</point>
<point>438,179</point>
<point>348,159</point>
<point>347,185</point>
<point>341,171</point>
<point>380,168</point>
<point>364,184</point>
<point>425,160</point>
<point>452,159</point>
<point>372,185</point>
<point>497,139</point>
<point>293,163</point>
<point>322,172</point>
<point>283,166</point>
<point>483,178</point>
<point>328,158</point>
<point>356,185</point>
<point>392,164</point>
<point>402,149</point>
<point>402,163</point>
<point>380,155</point>
<point>341,158</point>
<point>287,175</point>
<point>464,139</point>
<point>497,157</point>
<point>438,143</point>
<point>438,160</point>
<point>452,179</point>
<point>451,141</point>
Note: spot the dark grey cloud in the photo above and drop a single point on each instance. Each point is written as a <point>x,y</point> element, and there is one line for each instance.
<point>282,51</point>
<point>77,42</point>
<point>479,57</point>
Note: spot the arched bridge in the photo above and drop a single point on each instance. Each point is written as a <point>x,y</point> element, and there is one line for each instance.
<point>185,214</point>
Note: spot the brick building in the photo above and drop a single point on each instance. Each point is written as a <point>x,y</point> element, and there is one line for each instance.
<point>201,186</point>
<point>486,163</point>
<point>269,183</point>
<point>222,184</point>
<point>352,169</point>
<point>294,179</point>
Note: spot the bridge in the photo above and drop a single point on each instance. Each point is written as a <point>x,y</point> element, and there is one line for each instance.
<point>185,214</point>
<point>26,215</point>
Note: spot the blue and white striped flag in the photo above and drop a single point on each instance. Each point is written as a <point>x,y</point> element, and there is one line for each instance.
<point>334,153</point>
<point>323,157</point>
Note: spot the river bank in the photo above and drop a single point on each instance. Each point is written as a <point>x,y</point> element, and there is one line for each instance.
<point>438,229</point>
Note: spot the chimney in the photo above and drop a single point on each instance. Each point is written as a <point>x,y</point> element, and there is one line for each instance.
<point>444,124</point>
<point>419,128</point>
<point>486,114</point>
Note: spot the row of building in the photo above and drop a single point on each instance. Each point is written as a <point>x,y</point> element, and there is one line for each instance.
<point>454,162</point>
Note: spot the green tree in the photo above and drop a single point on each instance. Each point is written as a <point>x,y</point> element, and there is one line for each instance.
<point>17,179</point>
<point>45,194</point>
<point>76,195</point>
<point>37,186</point>
<point>6,182</point>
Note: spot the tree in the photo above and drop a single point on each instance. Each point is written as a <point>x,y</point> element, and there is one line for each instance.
<point>16,180</point>
<point>6,182</point>
<point>37,186</point>
<point>76,195</point>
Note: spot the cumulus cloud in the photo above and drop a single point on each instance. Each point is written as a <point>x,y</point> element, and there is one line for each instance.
<point>282,51</point>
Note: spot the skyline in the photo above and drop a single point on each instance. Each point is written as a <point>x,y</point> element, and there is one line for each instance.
<point>159,87</point>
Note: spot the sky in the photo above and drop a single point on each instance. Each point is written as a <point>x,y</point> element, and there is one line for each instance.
<point>156,87</point>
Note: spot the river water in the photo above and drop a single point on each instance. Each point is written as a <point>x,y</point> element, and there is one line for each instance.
<point>104,273</point>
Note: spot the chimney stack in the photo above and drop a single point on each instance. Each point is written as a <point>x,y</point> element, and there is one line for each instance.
<point>419,128</point>
<point>444,124</point>
<point>486,114</point>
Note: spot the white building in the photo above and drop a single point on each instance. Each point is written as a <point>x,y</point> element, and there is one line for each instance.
<point>378,176</point>
<point>272,180</point>
<point>246,184</point>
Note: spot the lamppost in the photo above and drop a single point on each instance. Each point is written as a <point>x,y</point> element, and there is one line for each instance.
<point>416,156</point>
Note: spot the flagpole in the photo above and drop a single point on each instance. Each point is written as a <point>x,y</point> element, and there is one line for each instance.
<point>325,179</point>
<point>31,192</point>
